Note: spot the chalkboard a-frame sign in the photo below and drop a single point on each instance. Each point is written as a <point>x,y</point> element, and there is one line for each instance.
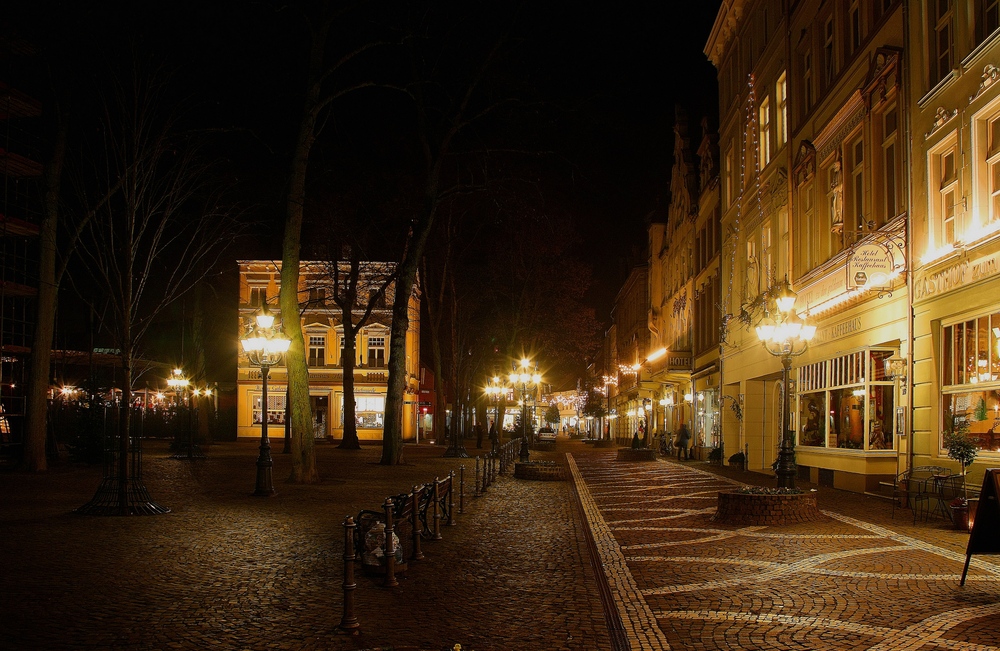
<point>985,536</point>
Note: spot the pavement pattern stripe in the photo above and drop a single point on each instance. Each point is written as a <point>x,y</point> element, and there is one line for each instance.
<point>643,632</point>
<point>842,584</point>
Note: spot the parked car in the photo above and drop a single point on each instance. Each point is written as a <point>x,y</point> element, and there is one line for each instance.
<point>546,434</point>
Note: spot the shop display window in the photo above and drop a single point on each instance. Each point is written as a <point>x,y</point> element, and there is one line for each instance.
<point>847,403</point>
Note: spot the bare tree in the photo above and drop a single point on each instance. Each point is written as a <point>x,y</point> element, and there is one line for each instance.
<point>147,245</point>
<point>359,288</point>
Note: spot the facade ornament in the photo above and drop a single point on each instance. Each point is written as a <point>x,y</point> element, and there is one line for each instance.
<point>837,198</point>
<point>990,75</point>
<point>942,116</point>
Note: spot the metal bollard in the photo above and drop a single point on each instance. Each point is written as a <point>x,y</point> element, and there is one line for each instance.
<point>348,621</point>
<point>437,511</point>
<point>390,549</point>
<point>461,489</point>
<point>417,554</point>
<point>451,498</point>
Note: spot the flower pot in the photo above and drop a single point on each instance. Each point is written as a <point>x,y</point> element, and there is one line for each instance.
<point>960,516</point>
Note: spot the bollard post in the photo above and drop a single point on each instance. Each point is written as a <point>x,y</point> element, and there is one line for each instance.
<point>451,498</point>
<point>461,489</point>
<point>437,511</point>
<point>348,622</point>
<point>390,549</point>
<point>417,554</point>
<point>486,472</point>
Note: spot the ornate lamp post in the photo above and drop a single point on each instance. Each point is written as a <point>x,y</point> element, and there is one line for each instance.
<point>264,345</point>
<point>609,381</point>
<point>495,390</point>
<point>179,383</point>
<point>785,336</point>
<point>525,381</point>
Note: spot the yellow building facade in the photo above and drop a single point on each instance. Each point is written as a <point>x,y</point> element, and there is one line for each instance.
<point>955,136</point>
<point>813,190</point>
<point>323,332</point>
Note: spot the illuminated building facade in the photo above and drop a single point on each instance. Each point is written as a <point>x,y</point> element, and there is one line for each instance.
<point>323,334</point>
<point>955,135</point>
<point>813,190</point>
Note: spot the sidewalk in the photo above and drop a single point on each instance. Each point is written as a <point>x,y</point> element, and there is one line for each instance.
<point>225,570</point>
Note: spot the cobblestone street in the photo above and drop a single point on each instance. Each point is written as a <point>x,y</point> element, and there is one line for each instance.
<point>226,570</point>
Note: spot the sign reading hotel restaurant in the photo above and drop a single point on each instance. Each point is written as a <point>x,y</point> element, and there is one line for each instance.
<point>869,266</point>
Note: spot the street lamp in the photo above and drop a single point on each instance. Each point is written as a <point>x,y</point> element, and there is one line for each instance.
<point>264,345</point>
<point>179,383</point>
<point>785,336</point>
<point>609,381</point>
<point>525,380</point>
<point>495,390</point>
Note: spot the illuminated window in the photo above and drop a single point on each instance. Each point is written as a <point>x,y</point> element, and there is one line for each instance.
<point>275,407</point>
<point>764,132</point>
<point>856,170</point>
<point>369,411</point>
<point>781,113</point>
<point>970,379</point>
<point>376,352</point>
<point>993,164</point>
<point>317,351</point>
<point>943,192</point>
<point>891,186</point>
<point>258,295</point>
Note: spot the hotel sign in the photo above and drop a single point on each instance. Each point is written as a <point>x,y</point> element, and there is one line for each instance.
<point>678,362</point>
<point>870,266</point>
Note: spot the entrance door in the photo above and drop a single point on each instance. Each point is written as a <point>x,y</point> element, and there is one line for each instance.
<point>320,415</point>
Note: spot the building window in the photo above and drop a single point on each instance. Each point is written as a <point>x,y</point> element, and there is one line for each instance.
<point>804,258</point>
<point>987,18</point>
<point>376,352</point>
<point>829,52</point>
<point>781,110</point>
<point>369,411</point>
<point>766,255</point>
<point>847,402</point>
<point>764,132</point>
<point>890,164</point>
<point>856,172</point>
<point>258,295</point>
<point>993,165</point>
<point>275,407</point>
<point>317,351</point>
<point>808,96</point>
<point>971,379</point>
<point>728,176</point>
<point>317,297</point>
<point>943,190</point>
<point>854,15</point>
<point>940,40</point>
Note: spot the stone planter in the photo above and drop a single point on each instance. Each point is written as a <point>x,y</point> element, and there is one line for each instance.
<point>606,443</point>
<point>539,471</point>
<point>766,510</point>
<point>628,454</point>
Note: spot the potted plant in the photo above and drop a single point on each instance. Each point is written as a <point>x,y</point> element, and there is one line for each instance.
<point>964,450</point>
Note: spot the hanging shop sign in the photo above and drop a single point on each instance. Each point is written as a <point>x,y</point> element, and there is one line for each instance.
<point>870,266</point>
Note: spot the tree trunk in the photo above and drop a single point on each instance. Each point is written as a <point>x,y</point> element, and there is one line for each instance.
<point>36,412</point>
<point>350,441</point>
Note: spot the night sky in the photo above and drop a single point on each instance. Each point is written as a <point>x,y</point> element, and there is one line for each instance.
<point>607,79</point>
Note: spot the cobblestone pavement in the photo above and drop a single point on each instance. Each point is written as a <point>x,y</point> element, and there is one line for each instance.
<point>225,570</point>
<point>857,580</point>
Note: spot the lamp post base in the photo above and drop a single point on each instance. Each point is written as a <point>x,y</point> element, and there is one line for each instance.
<point>786,470</point>
<point>523,454</point>
<point>265,483</point>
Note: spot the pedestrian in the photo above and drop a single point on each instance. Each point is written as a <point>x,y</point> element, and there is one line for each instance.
<point>494,438</point>
<point>683,438</point>
<point>479,436</point>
